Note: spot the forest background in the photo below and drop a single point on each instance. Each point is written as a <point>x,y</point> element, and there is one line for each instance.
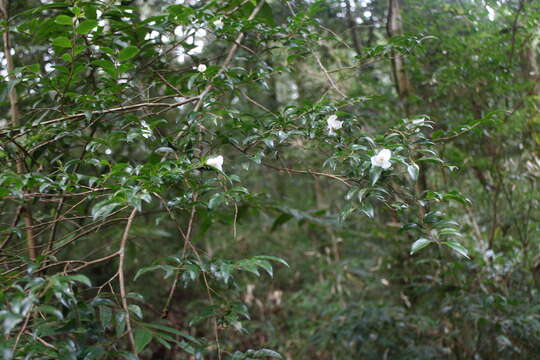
<point>252,179</point>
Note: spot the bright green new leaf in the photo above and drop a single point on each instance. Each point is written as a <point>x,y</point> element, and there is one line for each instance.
<point>62,41</point>
<point>63,20</point>
<point>128,53</point>
<point>86,26</point>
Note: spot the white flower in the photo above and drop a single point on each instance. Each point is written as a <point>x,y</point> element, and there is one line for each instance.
<point>216,161</point>
<point>333,124</point>
<point>218,24</point>
<point>201,68</point>
<point>382,159</point>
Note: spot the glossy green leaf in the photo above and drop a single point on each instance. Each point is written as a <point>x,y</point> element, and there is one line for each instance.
<point>142,337</point>
<point>128,53</point>
<point>457,247</point>
<point>419,245</point>
<point>62,42</point>
<point>63,20</point>
<point>86,26</point>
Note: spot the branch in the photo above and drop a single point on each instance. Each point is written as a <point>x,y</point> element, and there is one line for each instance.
<point>329,78</point>
<point>108,111</point>
<point>122,281</point>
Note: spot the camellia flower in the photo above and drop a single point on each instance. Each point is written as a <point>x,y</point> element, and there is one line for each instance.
<point>382,159</point>
<point>201,68</point>
<point>333,124</point>
<point>215,161</point>
<point>218,24</point>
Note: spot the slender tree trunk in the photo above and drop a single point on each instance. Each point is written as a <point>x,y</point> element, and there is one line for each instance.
<point>531,69</point>
<point>394,27</point>
<point>352,28</point>
<point>15,121</point>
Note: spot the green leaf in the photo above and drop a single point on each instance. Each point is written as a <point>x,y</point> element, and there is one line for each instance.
<point>67,57</point>
<point>128,53</point>
<point>142,338</point>
<point>449,232</point>
<point>105,316</point>
<point>268,353</point>
<point>48,309</point>
<point>374,174</point>
<point>80,278</point>
<point>266,16</point>
<point>168,269</point>
<point>265,264</point>
<point>136,309</point>
<point>62,41</point>
<point>63,20</point>
<point>128,355</point>
<point>172,331</point>
<point>94,352</point>
<point>457,247</point>
<point>454,195</point>
<point>280,220</point>
<point>419,245</point>
<point>103,208</point>
<point>120,323</point>
<point>272,258</point>
<point>413,171</point>
<point>431,159</point>
<point>86,26</point>
<point>368,210</point>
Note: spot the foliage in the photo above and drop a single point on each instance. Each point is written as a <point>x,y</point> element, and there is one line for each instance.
<point>251,180</point>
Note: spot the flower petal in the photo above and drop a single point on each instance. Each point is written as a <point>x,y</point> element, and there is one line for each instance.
<point>374,161</point>
<point>385,154</point>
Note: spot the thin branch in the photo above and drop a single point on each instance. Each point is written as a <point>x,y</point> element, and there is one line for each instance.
<point>339,178</point>
<point>63,195</point>
<point>13,224</point>
<point>51,346</point>
<point>329,78</point>
<point>23,328</point>
<point>259,105</point>
<point>122,281</point>
<point>111,110</point>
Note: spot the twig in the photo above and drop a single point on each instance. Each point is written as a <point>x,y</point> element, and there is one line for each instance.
<point>13,224</point>
<point>51,346</point>
<point>329,78</point>
<point>23,328</point>
<point>113,110</point>
<point>62,195</point>
<point>339,178</point>
<point>258,104</point>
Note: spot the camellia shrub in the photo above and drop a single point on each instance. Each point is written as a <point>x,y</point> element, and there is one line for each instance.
<point>150,154</point>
